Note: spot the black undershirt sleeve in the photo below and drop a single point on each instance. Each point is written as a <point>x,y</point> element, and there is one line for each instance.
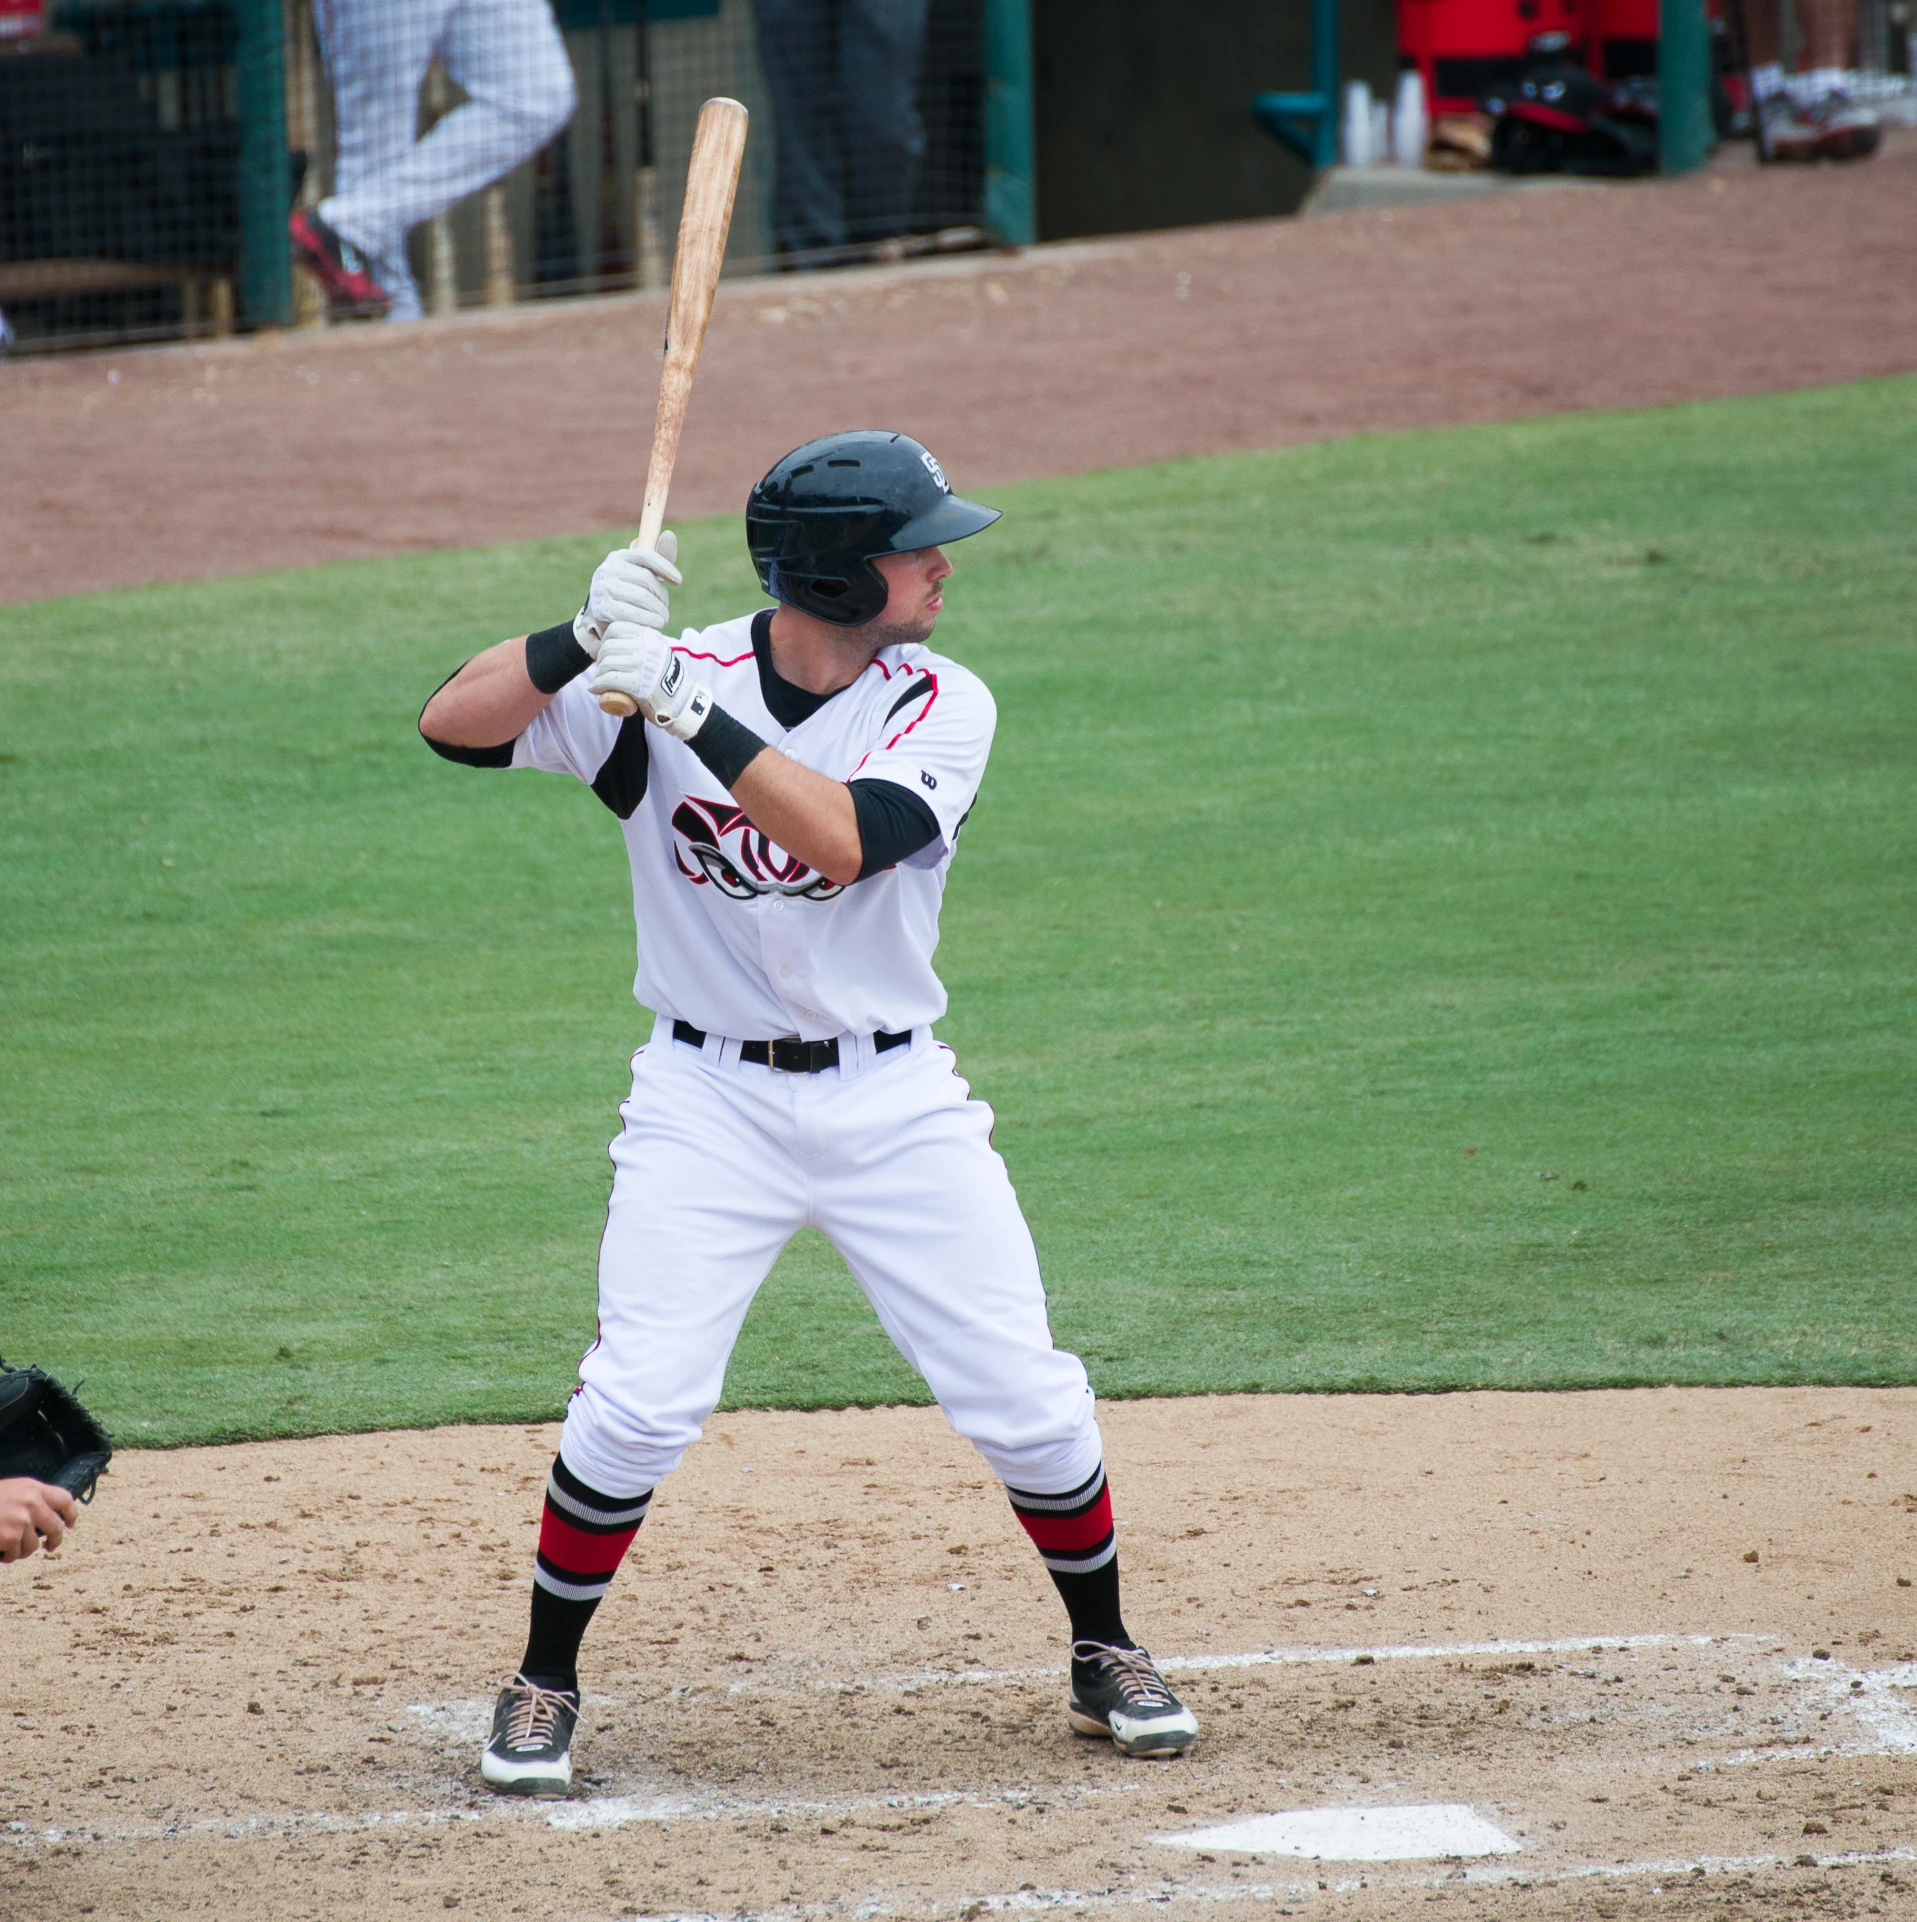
<point>894,824</point>
<point>621,781</point>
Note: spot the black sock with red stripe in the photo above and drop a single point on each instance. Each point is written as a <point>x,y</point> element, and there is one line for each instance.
<point>582,1537</point>
<point>1075,1539</point>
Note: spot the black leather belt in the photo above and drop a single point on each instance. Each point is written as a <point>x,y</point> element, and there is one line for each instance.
<point>789,1057</point>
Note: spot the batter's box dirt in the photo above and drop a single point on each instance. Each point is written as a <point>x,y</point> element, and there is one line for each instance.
<point>256,1681</point>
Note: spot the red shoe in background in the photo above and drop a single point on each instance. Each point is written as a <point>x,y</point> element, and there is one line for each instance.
<point>323,254</point>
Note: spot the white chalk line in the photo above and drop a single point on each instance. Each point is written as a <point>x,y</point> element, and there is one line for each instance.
<point>1869,1694</point>
<point>615,1811</point>
<point>594,1812</point>
<point>1277,1658</point>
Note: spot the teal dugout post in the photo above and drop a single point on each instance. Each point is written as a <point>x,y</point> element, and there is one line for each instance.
<point>266,184</point>
<point>1307,123</point>
<point>1011,158</point>
<point>1684,131</point>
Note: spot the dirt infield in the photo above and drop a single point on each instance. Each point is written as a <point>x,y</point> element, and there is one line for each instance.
<point>180,462</point>
<point>828,1683</point>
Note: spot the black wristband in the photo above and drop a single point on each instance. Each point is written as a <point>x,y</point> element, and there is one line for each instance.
<point>553,658</point>
<point>726,746</point>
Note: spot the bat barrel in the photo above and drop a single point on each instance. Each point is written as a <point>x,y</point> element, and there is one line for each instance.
<point>712,181</point>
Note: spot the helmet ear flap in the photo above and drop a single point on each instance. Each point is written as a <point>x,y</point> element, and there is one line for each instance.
<point>844,600</point>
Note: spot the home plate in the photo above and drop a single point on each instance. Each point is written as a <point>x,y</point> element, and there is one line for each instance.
<point>1423,1832</point>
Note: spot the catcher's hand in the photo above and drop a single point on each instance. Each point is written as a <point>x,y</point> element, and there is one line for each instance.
<point>45,1434</point>
<point>33,1515</point>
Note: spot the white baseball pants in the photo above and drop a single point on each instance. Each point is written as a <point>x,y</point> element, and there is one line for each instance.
<point>509,58</point>
<point>721,1162</point>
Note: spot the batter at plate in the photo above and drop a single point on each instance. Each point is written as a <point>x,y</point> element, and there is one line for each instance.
<point>792,791</point>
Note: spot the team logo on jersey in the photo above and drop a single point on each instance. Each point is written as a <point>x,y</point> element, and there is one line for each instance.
<point>716,845</point>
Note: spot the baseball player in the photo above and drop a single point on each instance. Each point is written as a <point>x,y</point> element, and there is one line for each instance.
<point>508,57</point>
<point>792,790</point>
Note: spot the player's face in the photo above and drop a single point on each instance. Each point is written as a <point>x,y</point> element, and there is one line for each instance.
<point>915,580</point>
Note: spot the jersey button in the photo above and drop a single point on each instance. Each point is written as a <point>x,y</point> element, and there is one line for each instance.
<point>785,974</point>
<point>778,906</point>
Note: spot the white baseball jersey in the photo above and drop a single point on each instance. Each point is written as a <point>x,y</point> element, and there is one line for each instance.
<point>736,936</point>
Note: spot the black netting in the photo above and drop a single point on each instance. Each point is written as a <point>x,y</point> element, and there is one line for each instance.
<point>173,167</point>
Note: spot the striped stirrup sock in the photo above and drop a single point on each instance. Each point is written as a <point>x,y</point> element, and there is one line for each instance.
<point>1075,1539</point>
<point>583,1535</point>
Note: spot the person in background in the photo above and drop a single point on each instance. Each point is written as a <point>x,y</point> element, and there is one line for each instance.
<point>844,80</point>
<point>508,58</point>
<point>33,1515</point>
<point>1808,116</point>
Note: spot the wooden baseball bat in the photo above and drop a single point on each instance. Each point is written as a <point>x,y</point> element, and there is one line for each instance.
<point>718,147</point>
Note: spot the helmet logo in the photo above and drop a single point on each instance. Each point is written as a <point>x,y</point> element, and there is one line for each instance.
<point>936,471</point>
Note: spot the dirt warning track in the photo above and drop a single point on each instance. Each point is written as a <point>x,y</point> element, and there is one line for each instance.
<point>181,462</point>
<point>830,1680</point>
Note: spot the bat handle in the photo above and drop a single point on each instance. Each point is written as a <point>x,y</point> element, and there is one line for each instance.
<point>622,706</point>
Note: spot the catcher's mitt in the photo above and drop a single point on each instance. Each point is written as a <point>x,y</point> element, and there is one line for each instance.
<point>45,1433</point>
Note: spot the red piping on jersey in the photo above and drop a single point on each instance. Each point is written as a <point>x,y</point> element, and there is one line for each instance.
<point>692,654</point>
<point>908,727</point>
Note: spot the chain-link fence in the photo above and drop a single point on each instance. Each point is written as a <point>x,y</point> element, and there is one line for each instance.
<point>179,167</point>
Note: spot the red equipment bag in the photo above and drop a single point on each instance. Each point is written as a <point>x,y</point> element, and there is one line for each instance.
<point>1623,39</point>
<point>1465,47</point>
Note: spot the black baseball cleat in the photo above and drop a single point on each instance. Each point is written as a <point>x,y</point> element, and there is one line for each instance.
<point>1119,1694</point>
<point>530,1752</point>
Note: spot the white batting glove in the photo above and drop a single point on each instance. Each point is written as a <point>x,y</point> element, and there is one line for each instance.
<point>630,585</point>
<point>640,664</point>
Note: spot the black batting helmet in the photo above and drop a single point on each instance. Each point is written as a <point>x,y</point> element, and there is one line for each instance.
<point>815,522</point>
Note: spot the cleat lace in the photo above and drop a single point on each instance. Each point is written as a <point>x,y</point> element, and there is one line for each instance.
<point>1133,1671</point>
<point>535,1714</point>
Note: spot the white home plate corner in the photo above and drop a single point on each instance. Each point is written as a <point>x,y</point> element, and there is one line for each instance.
<point>1423,1832</point>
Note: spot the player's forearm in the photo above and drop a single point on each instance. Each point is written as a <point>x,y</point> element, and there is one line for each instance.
<point>490,700</point>
<point>805,813</point>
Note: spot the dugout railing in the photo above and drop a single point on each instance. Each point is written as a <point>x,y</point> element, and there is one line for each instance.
<point>153,151</point>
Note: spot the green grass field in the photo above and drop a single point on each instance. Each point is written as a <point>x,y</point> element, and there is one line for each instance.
<point>1543,790</point>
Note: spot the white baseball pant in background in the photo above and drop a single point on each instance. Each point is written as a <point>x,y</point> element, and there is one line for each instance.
<point>721,1162</point>
<point>508,57</point>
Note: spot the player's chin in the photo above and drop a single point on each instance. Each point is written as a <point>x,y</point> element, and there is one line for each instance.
<point>907,633</point>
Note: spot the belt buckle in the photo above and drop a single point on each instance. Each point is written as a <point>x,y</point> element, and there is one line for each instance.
<point>788,1042</point>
